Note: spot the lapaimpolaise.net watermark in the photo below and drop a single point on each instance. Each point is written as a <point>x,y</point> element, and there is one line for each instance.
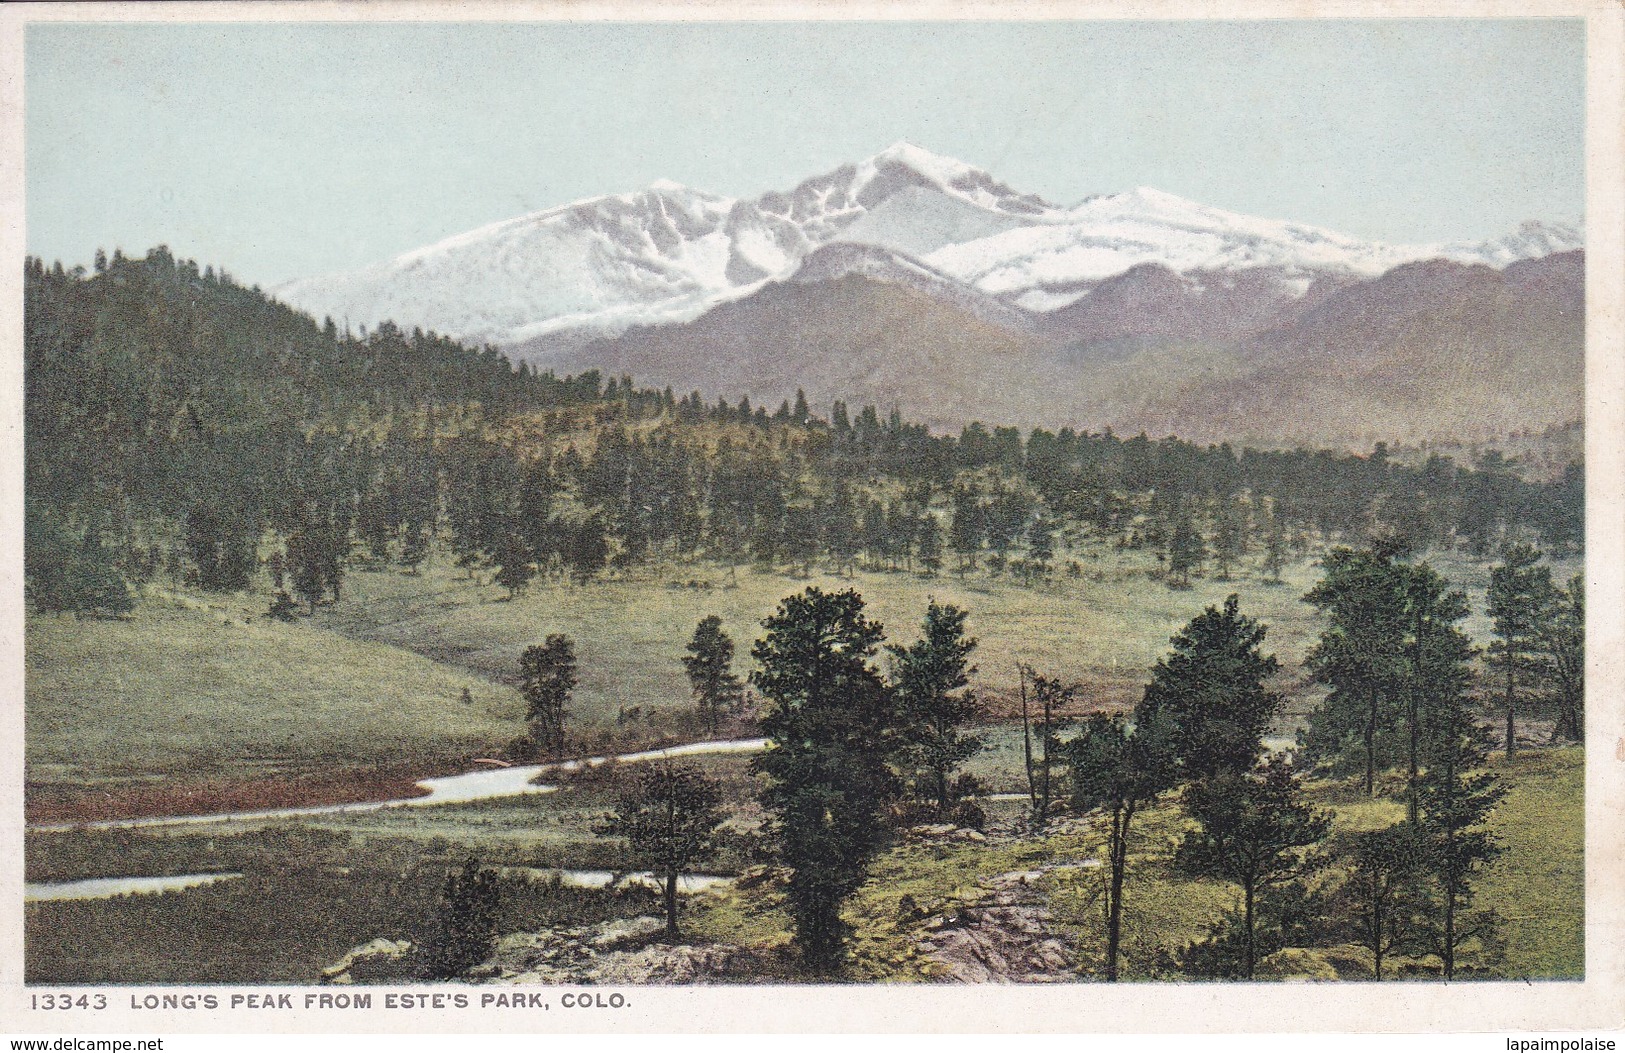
<point>1561,1045</point>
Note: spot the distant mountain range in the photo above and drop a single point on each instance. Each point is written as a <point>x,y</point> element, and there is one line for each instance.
<point>916,280</point>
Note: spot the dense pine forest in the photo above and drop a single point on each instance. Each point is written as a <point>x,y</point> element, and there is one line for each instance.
<point>180,424</point>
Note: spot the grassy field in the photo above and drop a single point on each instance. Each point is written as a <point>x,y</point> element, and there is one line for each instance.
<point>194,687</point>
<point>205,684</point>
<point>630,633</point>
<point>1538,885</point>
<point>186,686</point>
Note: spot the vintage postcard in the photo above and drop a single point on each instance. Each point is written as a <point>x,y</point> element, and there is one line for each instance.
<point>1056,517</point>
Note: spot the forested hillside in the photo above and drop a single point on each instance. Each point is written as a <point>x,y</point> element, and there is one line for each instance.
<point>179,423</point>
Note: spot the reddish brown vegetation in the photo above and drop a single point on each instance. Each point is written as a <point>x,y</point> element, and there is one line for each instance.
<point>200,796</point>
<point>1108,692</point>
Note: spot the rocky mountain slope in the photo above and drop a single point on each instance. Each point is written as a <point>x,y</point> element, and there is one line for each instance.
<point>916,280</point>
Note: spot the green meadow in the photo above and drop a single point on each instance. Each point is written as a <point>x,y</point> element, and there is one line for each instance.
<point>199,686</point>
<point>194,683</point>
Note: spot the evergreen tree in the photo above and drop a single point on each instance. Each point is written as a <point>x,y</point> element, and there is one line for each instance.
<point>1436,668</point>
<point>414,547</point>
<point>1385,897</point>
<point>1521,592</point>
<point>1457,796</point>
<point>828,726</point>
<point>710,674</point>
<point>965,529</point>
<point>68,574</point>
<point>1254,829</point>
<point>465,923</point>
<point>306,559</point>
<point>767,533</point>
<point>1207,699</point>
<point>1050,697</point>
<point>334,547</point>
<point>929,544</point>
<point>1185,551</point>
<point>930,681</point>
<point>1559,512</point>
<point>1041,545</point>
<point>842,538</point>
<point>1229,536</point>
<point>283,608</point>
<point>549,673</point>
<point>220,542</point>
<point>839,422</point>
<point>1562,638</point>
<point>586,551</point>
<point>1119,772</point>
<point>799,542</point>
<point>375,529</point>
<point>1360,655</point>
<point>1275,546</point>
<point>514,566</point>
<point>535,509</point>
<point>669,818</point>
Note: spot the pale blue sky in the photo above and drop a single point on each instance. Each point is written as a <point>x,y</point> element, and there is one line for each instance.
<point>285,150</point>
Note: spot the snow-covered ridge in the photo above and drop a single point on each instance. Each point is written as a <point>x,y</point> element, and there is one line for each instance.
<point>1038,265</point>
<point>668,253</point>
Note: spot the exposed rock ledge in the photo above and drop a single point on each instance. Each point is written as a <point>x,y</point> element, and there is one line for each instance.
<point>1004,935</point>
<point>619,952</point>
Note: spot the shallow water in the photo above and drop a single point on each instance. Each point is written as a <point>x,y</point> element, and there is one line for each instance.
<point>479,785</point>
<point>106,888</point>
<point>686,883</point>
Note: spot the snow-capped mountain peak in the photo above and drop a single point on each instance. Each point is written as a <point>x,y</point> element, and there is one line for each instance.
<point>943,170</point>
<point>668,252</point>
<point>1532,239</point>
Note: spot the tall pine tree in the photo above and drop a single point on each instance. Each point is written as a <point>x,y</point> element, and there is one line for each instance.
<point>1360,655</point>
<point>1521,593</point>
<point>934,704</point>
<point>549,675</point>
<point>828,724</point>
<point>709,663</point>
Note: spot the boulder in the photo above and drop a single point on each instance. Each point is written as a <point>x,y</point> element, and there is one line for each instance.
<point>377,961</point>
<point>1296,963</point>
<point>1002,934</point>
<point>626,932</point>
<point>760,876</point>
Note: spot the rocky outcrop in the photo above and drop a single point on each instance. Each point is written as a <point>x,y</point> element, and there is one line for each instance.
<point>946,833</point>
<point>1005,934</point>
<point>623,951</point>
<point>380,961</point>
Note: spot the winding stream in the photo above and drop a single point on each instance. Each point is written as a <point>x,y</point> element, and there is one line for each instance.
<point>480,785</point>
<point>686,883</point>
<point>106,888</point>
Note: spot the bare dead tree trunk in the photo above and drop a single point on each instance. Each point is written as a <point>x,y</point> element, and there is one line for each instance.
<point>1027,743</point>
